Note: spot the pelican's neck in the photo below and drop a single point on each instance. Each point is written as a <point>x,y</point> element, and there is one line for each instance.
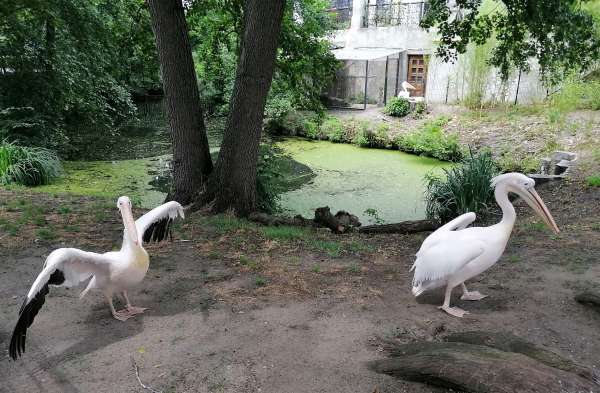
<point>508,211</point>
<point>128,229</point>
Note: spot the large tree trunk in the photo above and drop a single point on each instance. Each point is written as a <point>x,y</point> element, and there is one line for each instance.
<point>235,175</point>
<point>191,157</point>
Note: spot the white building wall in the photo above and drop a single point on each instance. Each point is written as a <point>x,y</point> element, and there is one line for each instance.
<point>446,82</point>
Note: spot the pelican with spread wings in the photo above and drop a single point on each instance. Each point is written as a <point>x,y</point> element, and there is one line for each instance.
<point>111,272</point>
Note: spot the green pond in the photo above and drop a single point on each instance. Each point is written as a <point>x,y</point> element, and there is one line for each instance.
<point>386,183</point>
<point>389,183</point>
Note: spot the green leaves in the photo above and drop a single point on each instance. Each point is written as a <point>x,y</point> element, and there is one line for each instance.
<point>559,34</point>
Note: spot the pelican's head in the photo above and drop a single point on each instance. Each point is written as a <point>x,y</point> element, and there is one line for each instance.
<point>524,187</point>
<point>124,205</point>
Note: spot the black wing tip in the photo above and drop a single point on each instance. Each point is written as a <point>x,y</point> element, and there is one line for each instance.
<point>27,314</point>
<point>158,231</point>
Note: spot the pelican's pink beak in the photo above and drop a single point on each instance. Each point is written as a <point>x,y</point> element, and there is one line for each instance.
<point>409,86</point>
<point>533,199</point>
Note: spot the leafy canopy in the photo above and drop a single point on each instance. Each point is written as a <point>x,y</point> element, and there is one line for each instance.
<point>560,34</point>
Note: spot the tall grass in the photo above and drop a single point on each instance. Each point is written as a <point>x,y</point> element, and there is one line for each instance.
<point>29,166</point>
<point>464,188</point>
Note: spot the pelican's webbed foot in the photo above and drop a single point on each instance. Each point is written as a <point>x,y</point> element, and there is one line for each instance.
<point>474,295</point>
<point>454,311</point>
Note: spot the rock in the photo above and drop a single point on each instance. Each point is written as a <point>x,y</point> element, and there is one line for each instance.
<point>545,166</point>
<point>563,155</point>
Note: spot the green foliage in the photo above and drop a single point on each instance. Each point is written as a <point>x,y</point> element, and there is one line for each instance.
<point>420,109</point>
<point>333,129</point>
<point>465,188</point>
<point>331,248</point>
<point>431,141</point>
<point>29,166</point>
<point>374,216</point>
<point>574,94</point>
<point>398,107</point>
<point>227,223</point>
<point>593,181</point>
<point>269,179</point>
<point>559,34</point>
<point>304,64</point>
<point>71,65</point>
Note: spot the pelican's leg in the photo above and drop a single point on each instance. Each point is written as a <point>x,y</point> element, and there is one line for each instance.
<point>120,315</point>
<point>455,311</point>
<point>131,309</point>
<point>475,295</point>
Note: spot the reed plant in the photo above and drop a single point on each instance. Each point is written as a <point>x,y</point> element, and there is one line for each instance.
<point>29,166</point>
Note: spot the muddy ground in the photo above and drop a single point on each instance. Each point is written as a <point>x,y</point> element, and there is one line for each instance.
<point>236,307</point>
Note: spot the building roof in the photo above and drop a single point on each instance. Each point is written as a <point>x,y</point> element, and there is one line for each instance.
<point>364,53</point>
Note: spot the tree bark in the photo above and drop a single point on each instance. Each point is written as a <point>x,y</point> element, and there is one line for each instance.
<point>191,157</point>
<point>234,182</point>
<point>477,369</point>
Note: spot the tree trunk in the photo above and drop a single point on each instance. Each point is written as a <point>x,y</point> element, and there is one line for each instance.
<point>402,227</point>
<point>234,184</point>
<point>191,157</point>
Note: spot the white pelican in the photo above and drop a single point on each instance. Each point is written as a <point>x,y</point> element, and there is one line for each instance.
<point>454,253</point>
<point>405,93</point>
<point>111,272</point>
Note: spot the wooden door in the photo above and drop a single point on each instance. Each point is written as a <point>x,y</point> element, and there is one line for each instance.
<point>417,74</point>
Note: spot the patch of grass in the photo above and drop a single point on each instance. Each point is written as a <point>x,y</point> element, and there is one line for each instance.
<point>465,188</point>
<point>286,233</point>
<point>249,263</point>
<point>64,210</point>
<point>316,269</point>
<point>593,181</point>
<point>260,281</point>
<point>357,246</point>
<point>11,228</point>
<point>28,166</point>
<point>214,254</point>
<point>72,228</point>
<point>354,268</point>
<point>431,141</point>
<point>514,258</point>
<point>333,129</point>
<point>16,205</point>
<point>47,233</point>
<point>535,226</point>
<point>596,226</point>
<point>331,248</point>
<point>227,223</point>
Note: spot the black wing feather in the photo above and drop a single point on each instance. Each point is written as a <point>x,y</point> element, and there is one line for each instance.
<point>27,314</point>
<point>158,231</point>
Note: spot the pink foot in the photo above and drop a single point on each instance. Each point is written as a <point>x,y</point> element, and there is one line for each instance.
<point>135,310</point>
<point>472,296</point>
<point>122,315</point>
<point>454,311</point>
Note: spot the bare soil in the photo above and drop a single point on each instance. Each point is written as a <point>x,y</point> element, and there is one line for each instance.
<point>234,309</point>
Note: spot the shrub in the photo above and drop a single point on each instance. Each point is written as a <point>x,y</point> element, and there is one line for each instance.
<point>431,141</point>
<point>420,109</point>
<point>268,179</point>
<point>398,107</point>
<point>465,188</point>
<point>593,181</point>
<point>333,129</point>
<point>29,166</point>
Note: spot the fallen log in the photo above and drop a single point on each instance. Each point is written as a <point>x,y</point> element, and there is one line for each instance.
<point>404,227</point>
<point>340,223</point>
<point>478,368</point>
<point>508,342</point>
<point>268,219</point>
<point>589,298</point>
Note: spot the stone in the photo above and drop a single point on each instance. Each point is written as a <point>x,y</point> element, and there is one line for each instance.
<point>563,155</point>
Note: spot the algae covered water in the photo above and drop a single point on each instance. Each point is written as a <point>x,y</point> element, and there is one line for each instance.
<point>369,183</point>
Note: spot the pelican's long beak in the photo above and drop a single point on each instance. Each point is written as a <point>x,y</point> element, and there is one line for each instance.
<point>130,227</point>
<point>409,86</point>
<point>533,199</point>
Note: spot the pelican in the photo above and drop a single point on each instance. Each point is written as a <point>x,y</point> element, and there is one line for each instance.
<point>405,93</point>
<point>110,273</point>
<point>454,253</point>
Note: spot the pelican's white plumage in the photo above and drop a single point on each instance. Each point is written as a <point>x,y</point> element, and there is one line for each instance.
<point>454,253</point>
<point>405,87</point>
<point>111,272</point>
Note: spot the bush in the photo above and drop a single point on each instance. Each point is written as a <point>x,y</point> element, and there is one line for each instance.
<point>29,166</point>
<point>431,141</point>
<point>593,181</point>
<point>465,188</point>
<point>398,107</point>
<point>420,109</point>
<point>268,178</point>
<point>333,129</point>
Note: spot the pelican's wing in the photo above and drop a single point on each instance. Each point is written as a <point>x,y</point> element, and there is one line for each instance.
<point>446,257</point>
<point>65,266</point>
<point>154,225</point>
<point>460,222</point>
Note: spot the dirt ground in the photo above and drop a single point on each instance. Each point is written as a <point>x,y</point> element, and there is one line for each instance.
<point>236,307</point>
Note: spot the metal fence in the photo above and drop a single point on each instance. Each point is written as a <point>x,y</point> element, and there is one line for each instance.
<point>394,13</point>
<point>342,9</point>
